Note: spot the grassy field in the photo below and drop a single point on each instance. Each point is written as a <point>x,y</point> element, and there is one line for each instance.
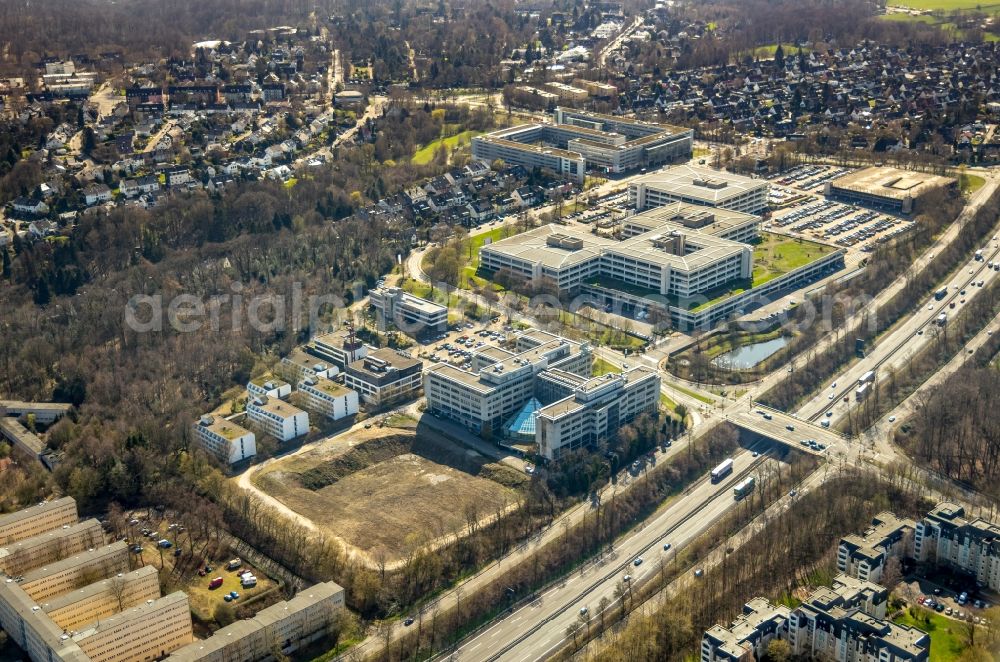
<point>776,255</point>
<point>425,154</point>
<point>970,183</point>
<point>946,637</point>
<point>768,50</point>
<point>384,492</point>
<point>694,394</point>
<point>602,367</point>
<point>945,5</point>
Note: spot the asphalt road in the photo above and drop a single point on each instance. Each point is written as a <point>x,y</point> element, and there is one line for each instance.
<point>533,631</point>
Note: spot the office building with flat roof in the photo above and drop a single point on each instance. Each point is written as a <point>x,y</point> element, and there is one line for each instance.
<point>698,185</point>
<point>945,537</point>
<point>865,556</point>
<point>384,376</point>
<point>50,546</point>
<point>579,140</point>
<point>21,437</point>
<point>270,386</point>
<point>281,420</point>
<point>410,314</point>
<point>31,521</point>
<point>229,442</point>
<point>300,364</point>
<point>887,188</point>
<point>328,398</point>
<point>340,347</point>
<point>44,412</point>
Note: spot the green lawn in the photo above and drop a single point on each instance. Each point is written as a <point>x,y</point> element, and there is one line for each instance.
<point>970,183</point>
<point>776,255</point>
<point>944,5</point>
<point>693,394</point>
<point>602,367</point>
<point>946,637</point>
<point>768,50</point>
<point>909,18</point>
<point>425,154</point>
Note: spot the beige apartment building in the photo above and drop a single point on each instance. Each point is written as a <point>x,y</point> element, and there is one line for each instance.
<point>146,632</point>
<point>100,600</point>
<point>37,519</point>
<point>30,553</point>
<point>70,573</point>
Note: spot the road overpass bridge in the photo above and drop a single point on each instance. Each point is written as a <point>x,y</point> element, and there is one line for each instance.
<point>787,429</point>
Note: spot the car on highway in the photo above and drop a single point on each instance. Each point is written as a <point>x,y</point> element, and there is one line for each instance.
<point>699,572</point>
<point>832,396</point>
<point>627,578</point>
<point>833,385</point>
<point>408,621</point>
<point>583,611</point>
<point>637,562</point>
<point>790,427</point>
<point>892,419</point>
<point>666,546</point>
<point>793,493</point>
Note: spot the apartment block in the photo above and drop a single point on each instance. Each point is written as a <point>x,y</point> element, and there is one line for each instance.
<point>281,420</point>
<point>328,398</point>
<point>69,539</point>
<point>410,314</point>
<point>698,185</point>
<point>100,600</point>
<point>945,537</point>
<point>384,376</point>
<point>226,440</point>
<point>146,632</point>
<point>286,625</point>
<point>865,556</point>
<point>38,519</point>
<point>747,637</point>
<point>270,386</point>
<point>340,347</point>
<point>844,622</point>
<point>75,571</point>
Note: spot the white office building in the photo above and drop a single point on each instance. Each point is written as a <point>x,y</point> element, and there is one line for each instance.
<point>328,398</point>
<point>409,314</point>
<point>698,185</point>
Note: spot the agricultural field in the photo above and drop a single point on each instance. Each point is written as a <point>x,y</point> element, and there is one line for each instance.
<point>385,492</point>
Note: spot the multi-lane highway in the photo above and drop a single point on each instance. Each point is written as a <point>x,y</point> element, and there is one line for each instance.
<point>534,630</point>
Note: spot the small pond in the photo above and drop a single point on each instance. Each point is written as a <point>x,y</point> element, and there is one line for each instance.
<point>743,358</point>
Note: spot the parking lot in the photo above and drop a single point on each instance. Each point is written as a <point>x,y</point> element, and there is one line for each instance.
<point>810,178</point>
<point>456,347</point>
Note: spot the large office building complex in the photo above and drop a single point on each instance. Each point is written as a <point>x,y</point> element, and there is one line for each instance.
<point>578,141</point>
<point>945,537</point>
<point>541,391</point>
<point>701,186</point>
<point>410,314</point>
<point>845,622</point>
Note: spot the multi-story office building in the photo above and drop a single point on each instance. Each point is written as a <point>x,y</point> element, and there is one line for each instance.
<point>410,314</point>
<point>38,519</point>
<point>328,398</point>
<point>100,600</point>
<point>281,420</point>
<point>145,632</point>
<point>384,376</point>
<point>702,186</point>
<point>580,140</point>
<point>299,364</point>
<point>844,623</point>
<point>501,382</point>
<point>945,537</point>
<point>678,251</point>
<point>865,556</point>
<point>887,188</point>
<point>340,347</point>
<point>50,546</point>
<point>746,639</point>
<point>226,440</point>
<point>594,409</point>
<point>286,626</point>
<point>491,398</point>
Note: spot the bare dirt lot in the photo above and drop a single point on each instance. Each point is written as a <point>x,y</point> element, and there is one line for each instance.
<point>386,491</point>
